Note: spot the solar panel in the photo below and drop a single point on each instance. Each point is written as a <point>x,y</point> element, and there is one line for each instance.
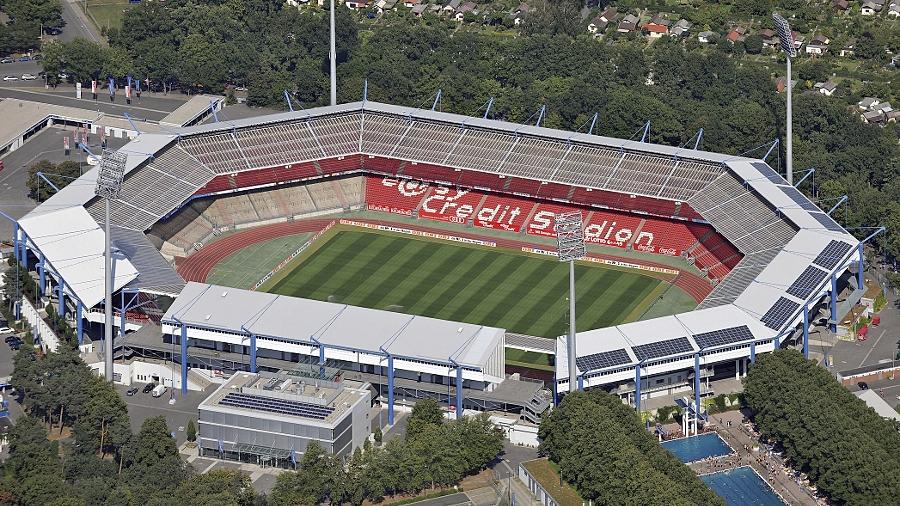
<point>602,360</point>
<point>827,222</point>
<point>723,336</point>
<point>768,173</point>
<point>832,254</point>
<point>779,313</point>
<point>799,198</point>
<point>806,282</point>
<point>663,348</point>
<point>282,406</point>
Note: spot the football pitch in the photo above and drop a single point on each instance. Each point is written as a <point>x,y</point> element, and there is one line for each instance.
<point>503,288</point>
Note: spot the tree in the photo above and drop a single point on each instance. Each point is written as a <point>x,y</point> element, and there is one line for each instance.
<point>425,412</point>
<point>218,487</point>
<point>753,44</point>
<point>191,431</point>
<point>104,425</point>
<point>153,462</point>
<point>30,453</point>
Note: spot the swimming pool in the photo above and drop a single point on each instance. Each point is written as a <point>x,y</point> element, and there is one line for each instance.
<point>693,448</point>
<point>742,486</point>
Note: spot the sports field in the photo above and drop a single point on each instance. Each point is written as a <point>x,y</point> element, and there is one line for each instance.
<point>521,293</point>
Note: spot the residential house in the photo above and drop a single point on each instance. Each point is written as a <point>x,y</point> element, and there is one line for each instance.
<point>409,4</point>
<point>463,10</point>
<point>655,30</point>
<point>799,40</point>
<point>609,15</point>
<point>875,117</point>
<point>385,5</point>
<point>681,28</point>
<point>847,50</point>
<point>358,4</point>
<point>628,24</point>
<point>827,88</point>
<point>520,12</point>
<point>597,26</point>
<point>779,84</point>
<point>705,37</point>
<point>738,33</point>
<point>451,6</point>
<point>869,8</point>
<point>868,103</point>
<point>818,45</point>
<point>769,37</point>
<point>418,10</point>
<point>893,116</point>
<point>841,5</point>
<point>894,10</point>
<point>659,19</point>
<point>884,107</point>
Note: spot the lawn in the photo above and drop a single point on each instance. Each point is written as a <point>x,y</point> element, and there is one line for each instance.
<point>521,293</point>
<point>107,13</point>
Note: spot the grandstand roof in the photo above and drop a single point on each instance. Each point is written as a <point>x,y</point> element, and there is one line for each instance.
<point>21,115</point>
<point>339,325</point>
<point>73,244</point>
<point>188,112</point>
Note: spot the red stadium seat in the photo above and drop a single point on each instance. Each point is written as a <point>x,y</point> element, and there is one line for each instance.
<point>392,195</point>
<point>503,213</point>
<point>543,220</point>
<point>450,203</point>
<point>610,228</point>
<point>528,187</point>
<point>664,237</point>
<point>341,164</point>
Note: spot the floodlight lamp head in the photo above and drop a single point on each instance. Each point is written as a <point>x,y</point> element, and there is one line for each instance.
<point>570,236</point>
<point>111,173</point>
<point>785,35</point>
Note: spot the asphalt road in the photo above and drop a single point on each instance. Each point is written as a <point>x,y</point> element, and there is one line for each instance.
<point>77,24</point>
<point>142,406</point>
<point>152,107</point>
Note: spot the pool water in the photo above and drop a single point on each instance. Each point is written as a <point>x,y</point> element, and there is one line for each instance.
<point>742,486</point>
<point>691,449</point>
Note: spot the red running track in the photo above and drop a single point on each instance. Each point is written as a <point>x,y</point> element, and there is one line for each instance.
<point>198,266</point>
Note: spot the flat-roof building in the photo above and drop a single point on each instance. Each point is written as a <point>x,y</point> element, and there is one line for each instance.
<point>270,419</point>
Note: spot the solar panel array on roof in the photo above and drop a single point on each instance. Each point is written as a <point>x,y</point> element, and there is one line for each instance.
<point>799,198</point>
<point>281,406</point>
<point>806,282</point>
<point>832,254</point>
<point>768,173</point>
<point>602,360</point>
<point>723,336</point>
<point>663,348</point>
<point>779,313</point>
<point>827,222</point>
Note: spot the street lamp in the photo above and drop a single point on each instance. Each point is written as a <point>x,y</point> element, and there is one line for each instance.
<point>570,247</point>
<point>790,51</point>
<point>109,183</point>
<point>333,59</point>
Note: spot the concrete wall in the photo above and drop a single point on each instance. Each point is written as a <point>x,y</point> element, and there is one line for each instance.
<point>40,329</point>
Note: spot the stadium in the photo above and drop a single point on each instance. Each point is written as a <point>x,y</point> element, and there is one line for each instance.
<point>412,249</point>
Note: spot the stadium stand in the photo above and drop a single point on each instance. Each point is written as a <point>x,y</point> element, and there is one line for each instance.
<point>610,228</point>
<point>503,213</point>
<point>668,237</point>
<point>183,230</point>
<point>219,152</point>
<point>450,203</point>
<point>391,195</point>
<point>278,144</point>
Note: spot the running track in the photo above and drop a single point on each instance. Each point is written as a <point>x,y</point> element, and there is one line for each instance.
<point>198,266</point>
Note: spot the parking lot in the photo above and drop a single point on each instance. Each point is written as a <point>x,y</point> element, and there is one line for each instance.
<point>142,406</point>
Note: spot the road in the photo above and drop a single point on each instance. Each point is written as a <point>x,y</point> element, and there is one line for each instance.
<point>151,107</point>
<point>77,23</point>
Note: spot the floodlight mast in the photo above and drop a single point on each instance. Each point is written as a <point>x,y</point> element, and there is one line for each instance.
<point>109,183</point>
<point>570,247</point>
<point>790,51</point>
<point>333,59</point>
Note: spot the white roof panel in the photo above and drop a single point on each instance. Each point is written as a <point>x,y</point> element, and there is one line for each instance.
<point>73,245</point>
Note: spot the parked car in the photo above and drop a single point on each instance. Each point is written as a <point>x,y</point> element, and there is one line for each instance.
<point>5,330</point>
<point>28,77</point>
<point>10,78</point>
<point>10,338</point>
<point>159,390</point>
<point>15,345</point>
<point>863,385</point>
<point>7,60</point>
<point>148,388</point>
<point>23,58</point>
<point>131,391</point>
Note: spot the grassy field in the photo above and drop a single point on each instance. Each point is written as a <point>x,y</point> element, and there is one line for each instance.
<point>518,292</point>
<point>245,267</point>
<point>107,13</point>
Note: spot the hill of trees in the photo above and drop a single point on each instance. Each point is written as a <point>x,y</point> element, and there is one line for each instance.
<point>848,451</point>
<point>603,450</point>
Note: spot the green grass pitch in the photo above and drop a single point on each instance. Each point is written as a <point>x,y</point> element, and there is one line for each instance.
<point>521,293</point>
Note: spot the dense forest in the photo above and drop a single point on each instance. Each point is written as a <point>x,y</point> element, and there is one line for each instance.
<point>848,451</point>
<point>603,450</point>
<point>679,87</point>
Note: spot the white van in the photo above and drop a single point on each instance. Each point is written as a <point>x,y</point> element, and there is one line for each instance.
<point>159,390</point>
